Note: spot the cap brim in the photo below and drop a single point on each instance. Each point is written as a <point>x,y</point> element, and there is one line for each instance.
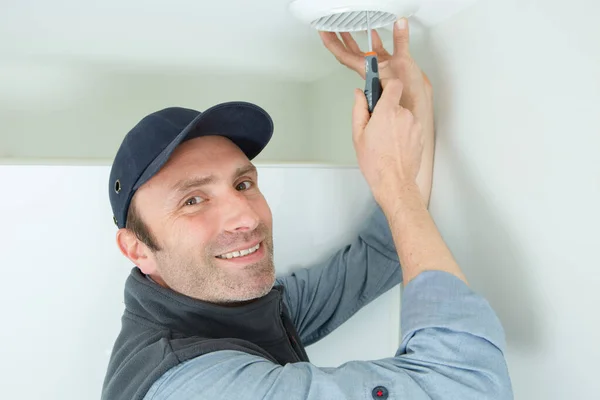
<point>245,124</point>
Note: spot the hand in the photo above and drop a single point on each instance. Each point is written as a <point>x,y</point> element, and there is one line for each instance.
<point>418,93</point>
<point>388,143</point>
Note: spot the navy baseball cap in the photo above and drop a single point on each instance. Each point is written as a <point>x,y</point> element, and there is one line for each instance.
<point>148,146</point>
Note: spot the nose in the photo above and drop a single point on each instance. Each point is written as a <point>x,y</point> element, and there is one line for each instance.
<point>239,213</point>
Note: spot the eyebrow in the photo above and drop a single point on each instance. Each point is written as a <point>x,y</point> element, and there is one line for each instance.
<point>187,184</point>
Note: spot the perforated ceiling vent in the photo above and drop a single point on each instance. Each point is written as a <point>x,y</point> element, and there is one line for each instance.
<point>351,15</point>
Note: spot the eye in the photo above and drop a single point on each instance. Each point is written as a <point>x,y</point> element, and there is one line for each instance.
<point>194,200</point>
<point>243,186</point>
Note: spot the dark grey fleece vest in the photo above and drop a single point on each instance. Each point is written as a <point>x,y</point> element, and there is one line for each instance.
<point>162,328</point>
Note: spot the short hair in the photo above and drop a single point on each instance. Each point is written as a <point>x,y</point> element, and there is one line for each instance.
<point>139,228</point>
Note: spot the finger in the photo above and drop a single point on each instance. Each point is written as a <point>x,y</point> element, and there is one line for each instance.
<point>392,92</point>
<point>343,55</point>
<point>426,79</point>
<point>360,114</point>
<point>350,42</point>
<point>417,127</point>
<point>378,45</point>
<point>401,36</point>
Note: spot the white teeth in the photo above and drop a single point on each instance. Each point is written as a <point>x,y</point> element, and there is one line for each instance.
<point>240,253</point>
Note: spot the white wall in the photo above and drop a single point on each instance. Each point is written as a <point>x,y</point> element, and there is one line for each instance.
<point>517,179</point>
<point>331,110</point>
<point>62,110</point>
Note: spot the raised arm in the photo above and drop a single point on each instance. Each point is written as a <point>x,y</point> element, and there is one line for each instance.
<point>322,297</point>
<point>388,146</point>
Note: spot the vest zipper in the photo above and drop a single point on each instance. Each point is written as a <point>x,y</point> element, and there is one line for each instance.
<point>291,340</point>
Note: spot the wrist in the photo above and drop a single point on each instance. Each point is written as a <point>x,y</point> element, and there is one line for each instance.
<point>395,191</point>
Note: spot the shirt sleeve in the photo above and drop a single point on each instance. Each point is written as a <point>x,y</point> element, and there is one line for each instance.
<point>452,348</point>
<point>322,297</point>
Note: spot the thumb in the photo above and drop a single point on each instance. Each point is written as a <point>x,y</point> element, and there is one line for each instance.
<point>360,114</point>
<point>401,36</point>
<point>392,92</point>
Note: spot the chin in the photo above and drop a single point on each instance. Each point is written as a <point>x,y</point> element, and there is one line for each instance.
<point>254,293</point>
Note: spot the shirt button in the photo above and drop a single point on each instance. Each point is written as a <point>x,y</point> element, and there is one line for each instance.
<point>380,393</point>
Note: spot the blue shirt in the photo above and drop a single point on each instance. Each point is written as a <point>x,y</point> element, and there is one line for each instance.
<point>452,341</point>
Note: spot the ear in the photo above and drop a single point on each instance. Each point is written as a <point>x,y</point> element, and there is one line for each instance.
<point>136,251</point>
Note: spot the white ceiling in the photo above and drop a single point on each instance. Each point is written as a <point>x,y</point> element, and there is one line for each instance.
<point>228,35</point>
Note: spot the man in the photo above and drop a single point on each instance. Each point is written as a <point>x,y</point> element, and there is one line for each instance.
<point>206,317</point>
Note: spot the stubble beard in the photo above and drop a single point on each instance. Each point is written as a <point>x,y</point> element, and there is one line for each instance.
<point>203,278</point>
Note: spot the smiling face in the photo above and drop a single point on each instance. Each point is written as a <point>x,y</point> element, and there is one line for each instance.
<point>211,224</point>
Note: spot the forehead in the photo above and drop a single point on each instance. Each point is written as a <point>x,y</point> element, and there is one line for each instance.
<point>209,155</point>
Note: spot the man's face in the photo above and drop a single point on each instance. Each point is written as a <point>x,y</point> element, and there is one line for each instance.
<point>211,222</point>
